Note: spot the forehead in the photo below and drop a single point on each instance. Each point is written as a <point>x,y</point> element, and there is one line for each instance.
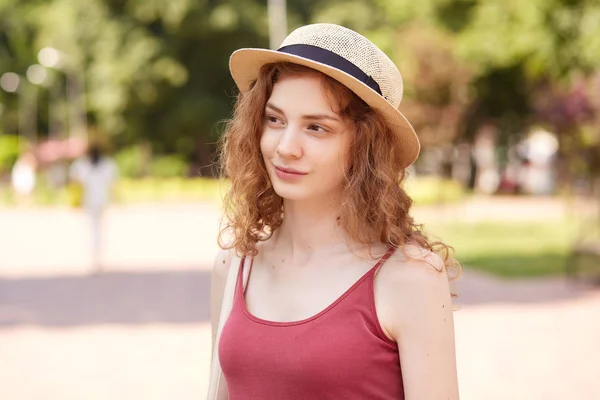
<point>301,93</point>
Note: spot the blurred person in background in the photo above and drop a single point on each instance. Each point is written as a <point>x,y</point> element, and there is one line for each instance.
<point>326,288</point>
<point>96,174</point>
<point>23,177</point>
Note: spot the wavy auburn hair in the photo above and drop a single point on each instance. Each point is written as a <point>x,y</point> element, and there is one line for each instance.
<point>375,207</point>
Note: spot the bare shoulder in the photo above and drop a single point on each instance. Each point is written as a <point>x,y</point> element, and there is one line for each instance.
<point>410,285</point>
<point>222,263</point>
<point>218,280</point>
<point>416,265</point>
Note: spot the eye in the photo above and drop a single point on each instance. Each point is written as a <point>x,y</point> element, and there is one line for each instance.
<point>317,128</point>
<point>272,119</point>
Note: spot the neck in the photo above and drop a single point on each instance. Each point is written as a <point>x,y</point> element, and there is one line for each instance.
<point>309,228</point>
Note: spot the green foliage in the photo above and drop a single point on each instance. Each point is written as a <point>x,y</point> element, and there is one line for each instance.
<point>152,68</point>
<point>137,162</point>
<point>168,167</point>
<point>9,151</point>
<point>132,162</point>
<point>437,92</point>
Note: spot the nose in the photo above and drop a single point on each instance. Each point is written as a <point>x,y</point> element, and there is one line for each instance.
<point>290,143</point>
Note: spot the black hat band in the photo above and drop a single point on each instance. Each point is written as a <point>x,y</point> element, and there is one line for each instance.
<point>327,57</point>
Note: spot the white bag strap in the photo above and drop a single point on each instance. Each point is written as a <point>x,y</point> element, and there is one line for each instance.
<point>216,372</point>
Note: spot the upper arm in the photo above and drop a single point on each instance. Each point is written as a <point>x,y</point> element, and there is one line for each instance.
<point>218,281</point>
<point>217,288</point>
<point>419,316</point>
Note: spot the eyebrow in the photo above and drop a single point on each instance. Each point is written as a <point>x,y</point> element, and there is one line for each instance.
<point>310,116</point>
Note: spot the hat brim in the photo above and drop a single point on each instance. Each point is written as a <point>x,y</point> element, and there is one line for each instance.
<point>245,65</point>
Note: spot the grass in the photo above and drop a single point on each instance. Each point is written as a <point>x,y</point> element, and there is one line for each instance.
<point>132,191</point>
<point>170,190</point>
<point>514,249</point>
<point>428,190</point>
<point>161,190</point>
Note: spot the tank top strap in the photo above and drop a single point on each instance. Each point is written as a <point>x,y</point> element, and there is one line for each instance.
<point>382,260</point>
<point>244,274</point>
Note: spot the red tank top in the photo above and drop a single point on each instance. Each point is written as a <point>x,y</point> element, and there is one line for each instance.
<point>340,353</point>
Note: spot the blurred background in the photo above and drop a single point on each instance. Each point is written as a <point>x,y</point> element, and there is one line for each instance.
<point>505,97</point>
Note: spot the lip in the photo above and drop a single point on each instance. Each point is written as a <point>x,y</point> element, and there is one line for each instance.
<point>289,170</point>
<point>288,174</point>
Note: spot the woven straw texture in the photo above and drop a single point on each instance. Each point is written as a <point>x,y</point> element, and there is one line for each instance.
<point>357,49</point>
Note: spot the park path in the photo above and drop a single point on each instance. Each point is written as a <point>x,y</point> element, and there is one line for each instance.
<point>140,330</point>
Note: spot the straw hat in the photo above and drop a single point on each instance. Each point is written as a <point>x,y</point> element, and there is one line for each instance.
<point>347,57</point>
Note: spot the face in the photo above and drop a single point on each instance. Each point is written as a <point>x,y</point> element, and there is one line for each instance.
<point>304,142</point>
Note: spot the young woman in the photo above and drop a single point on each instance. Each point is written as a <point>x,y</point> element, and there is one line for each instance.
<point>338,294</point>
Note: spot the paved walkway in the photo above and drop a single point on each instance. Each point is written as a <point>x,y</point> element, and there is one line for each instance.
<point>140,330</point>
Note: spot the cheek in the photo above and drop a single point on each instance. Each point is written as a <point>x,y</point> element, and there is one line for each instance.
<point>333,163</point>
<point>343,158</point>
<point>342,164</point>
<point>265,144</point>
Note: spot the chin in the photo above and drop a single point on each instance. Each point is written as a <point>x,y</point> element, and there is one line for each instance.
<point>301,192</point>
<point>290,193</point>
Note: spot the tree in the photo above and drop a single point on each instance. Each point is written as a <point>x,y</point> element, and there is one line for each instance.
<point>154,70</point>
